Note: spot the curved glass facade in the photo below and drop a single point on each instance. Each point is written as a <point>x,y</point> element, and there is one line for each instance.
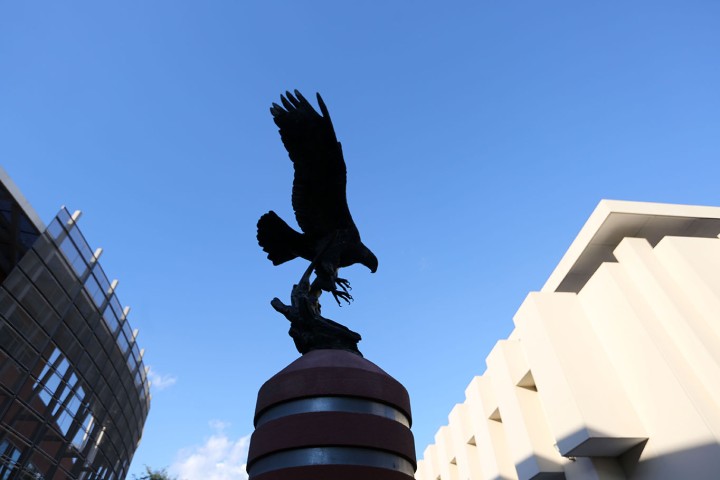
<point>74,394</point>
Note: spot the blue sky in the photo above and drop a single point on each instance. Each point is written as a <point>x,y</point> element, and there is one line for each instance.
<point>478,136</point>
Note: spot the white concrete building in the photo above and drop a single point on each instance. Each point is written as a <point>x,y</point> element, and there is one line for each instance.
<point>613,369</point>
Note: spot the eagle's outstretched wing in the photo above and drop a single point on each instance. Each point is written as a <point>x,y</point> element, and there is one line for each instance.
<point>318,195</point>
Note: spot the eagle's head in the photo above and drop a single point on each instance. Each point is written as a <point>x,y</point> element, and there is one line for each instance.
<point>368,259</point>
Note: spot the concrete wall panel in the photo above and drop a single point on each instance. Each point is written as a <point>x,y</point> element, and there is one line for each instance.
<point>588,409</point>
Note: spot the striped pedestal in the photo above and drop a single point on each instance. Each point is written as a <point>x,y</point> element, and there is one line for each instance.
<point>332,414</point>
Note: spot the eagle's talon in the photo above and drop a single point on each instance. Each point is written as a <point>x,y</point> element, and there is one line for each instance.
<point>338,294</point>
<point>344,284</point>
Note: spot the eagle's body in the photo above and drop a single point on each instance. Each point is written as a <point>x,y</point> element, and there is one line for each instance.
<point>330,239</point>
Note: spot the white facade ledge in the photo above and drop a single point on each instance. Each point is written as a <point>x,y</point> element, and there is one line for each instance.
<point>614,220</point>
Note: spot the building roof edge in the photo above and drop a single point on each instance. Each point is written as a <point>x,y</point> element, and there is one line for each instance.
<point>613,220</point>
<point>21,200</point>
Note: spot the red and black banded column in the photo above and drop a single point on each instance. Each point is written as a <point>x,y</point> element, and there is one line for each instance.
<point>332,415</point>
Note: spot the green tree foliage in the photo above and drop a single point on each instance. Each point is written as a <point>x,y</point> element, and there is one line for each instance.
<point>151,474</point>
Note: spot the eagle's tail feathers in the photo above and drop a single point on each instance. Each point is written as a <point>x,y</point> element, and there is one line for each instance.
<point>277,238</point>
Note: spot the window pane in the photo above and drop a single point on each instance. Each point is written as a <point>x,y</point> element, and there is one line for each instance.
<point>81,244</point>
<point>61,271</point>
<point>73,256</point>
<point>93,288</point>
<point>123,343</point>
<point>55,229</point>
<point>111,320</point>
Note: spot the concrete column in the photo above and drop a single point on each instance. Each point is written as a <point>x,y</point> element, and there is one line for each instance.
<point>588,410</point>
<point>466,454</point>
<point>531,444</point>
<point>488,431</point>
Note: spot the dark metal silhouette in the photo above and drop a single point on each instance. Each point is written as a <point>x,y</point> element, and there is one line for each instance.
<point>329,239</point>
<point>308,329</point>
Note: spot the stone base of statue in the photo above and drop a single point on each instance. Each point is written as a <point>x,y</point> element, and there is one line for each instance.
<point>330,415</point>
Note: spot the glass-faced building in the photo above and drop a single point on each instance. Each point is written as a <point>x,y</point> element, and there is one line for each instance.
<point>73,388</point>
